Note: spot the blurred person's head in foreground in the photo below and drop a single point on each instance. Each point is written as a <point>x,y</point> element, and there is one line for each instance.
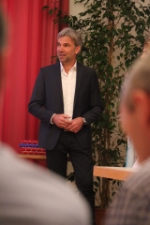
<point>135,106</point>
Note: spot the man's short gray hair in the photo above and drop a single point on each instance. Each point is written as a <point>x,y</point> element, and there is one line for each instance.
<point>138,77</point>
<point>73,34</point>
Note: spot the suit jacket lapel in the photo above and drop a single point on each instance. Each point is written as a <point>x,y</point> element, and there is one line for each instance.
<point>79,77</point>
<point>59,82</point>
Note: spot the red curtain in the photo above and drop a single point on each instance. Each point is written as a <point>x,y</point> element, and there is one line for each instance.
<point>32,42</point>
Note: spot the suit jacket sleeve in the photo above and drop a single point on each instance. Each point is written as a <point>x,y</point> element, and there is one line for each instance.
<point>96,106</point>
<point>37,101</point>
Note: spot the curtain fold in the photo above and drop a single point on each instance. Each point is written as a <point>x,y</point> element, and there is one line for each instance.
<point>33,38</point>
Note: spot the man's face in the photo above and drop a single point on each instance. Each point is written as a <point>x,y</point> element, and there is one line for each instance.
<point>66,50</point>
<point>135,119</point>
<point>126,119</point>
<point>133,116</point>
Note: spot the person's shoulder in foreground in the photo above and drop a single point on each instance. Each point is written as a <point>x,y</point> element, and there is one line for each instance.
<point>132,205</point>
<point>33,195</point>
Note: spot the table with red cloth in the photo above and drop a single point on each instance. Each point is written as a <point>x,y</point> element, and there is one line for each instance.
<point>30,150</point>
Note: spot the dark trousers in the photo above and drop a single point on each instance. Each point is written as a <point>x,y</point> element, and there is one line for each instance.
<point>81,160</point>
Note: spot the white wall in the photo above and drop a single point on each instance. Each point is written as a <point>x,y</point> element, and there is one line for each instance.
<point>74,9</point>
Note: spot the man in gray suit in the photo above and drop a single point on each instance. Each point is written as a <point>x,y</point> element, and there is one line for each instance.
<point>30,195</point>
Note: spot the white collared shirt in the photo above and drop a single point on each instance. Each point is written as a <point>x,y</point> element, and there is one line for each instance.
<point>68,88</point>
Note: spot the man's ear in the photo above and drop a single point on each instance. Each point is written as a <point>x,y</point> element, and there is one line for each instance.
<point>78,48</point>
<point>141,101</point>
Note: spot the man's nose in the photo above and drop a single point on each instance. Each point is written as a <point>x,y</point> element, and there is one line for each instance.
<point>60,48</point>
